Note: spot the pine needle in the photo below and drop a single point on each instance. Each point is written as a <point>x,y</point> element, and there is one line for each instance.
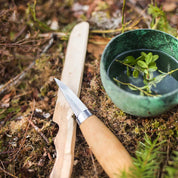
<point>172,168</point>
<point>147,160</point>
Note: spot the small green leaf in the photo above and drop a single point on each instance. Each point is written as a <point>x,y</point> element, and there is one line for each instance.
<point>152,64</point>
<point>145,82</point>
<point>128,71</point>
<point>148,90</point>
<point>141,93</point>
<point>129,60</point>
<point>154,58</point>
<point>135,73</point>
<point>143,54</point>
<point>145,71</point>
<point>152,68</point>
<point>142,64</point>
<point>148,58</point>
<point>141,69</point>
<point>140,58</point>
<point>150,53</point>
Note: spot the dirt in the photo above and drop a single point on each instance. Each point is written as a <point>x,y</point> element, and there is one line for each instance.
<point>28,100</point>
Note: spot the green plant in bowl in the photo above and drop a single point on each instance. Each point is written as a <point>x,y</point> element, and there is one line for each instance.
<point>144,65</point>
<point>134,43</point>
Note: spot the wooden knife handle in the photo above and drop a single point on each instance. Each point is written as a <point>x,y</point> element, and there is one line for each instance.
<point>107,149</point>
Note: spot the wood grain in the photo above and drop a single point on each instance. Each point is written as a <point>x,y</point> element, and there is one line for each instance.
<point>107,149</point>
<point>72,75</point>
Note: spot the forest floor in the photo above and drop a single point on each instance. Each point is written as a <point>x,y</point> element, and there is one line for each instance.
<point>31,56</point>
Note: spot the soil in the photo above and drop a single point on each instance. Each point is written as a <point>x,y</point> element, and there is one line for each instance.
<point>28,93</point>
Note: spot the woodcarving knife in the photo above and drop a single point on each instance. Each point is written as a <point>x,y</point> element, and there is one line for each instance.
<point>107,149</point>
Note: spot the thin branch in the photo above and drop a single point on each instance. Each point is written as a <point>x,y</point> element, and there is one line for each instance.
<point>140,11</point>
<point>125,64</point>
<point>110,30</point>
<point>26,129</point>
<point>58,34</point>
<point>51,41</point>
<point>170,72</point>
<point>17,79</point>
<point>20,33</point>
<point>141,89</point>
<point>8,173</point>
<point>123,8</point>
<point>129,84</point>
<point>128,26</point>
<point>38,130</point>
<point>128,65</point>
<point>94,166</point>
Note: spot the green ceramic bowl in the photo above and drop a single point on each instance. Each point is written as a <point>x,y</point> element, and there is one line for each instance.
<point>141,40</point>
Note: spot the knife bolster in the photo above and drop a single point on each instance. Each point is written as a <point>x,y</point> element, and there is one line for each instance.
<point>83,116</point>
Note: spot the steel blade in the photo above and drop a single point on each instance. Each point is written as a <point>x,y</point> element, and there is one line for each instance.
<point>75,103</point>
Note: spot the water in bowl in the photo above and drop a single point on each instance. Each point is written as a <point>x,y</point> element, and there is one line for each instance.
<point>165,63</point>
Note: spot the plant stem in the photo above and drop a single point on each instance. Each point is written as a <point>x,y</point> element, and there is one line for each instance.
<point>168,73</point>
<point>128,65</point>
<point>123,7</point>
<point>163,75</point>
<point>115,30</point>
<point>138,88</point>
<point>125,64</point>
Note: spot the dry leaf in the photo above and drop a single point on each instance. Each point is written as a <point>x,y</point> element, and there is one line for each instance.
<point>169,7</point>
<point>97,45</point>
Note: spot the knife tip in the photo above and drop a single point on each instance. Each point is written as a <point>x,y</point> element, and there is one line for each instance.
<point>57,81</point>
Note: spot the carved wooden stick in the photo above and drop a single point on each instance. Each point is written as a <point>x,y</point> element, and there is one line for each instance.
<point>72,76</point>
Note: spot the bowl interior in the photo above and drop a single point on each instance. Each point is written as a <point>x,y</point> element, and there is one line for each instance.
<point>165,63</point>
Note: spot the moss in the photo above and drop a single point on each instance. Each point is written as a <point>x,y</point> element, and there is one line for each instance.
<point>155,124</point>
<point>137,131</point>
<point>37,90</point>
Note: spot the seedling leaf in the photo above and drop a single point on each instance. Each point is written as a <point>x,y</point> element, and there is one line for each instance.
<point>128,71</point>
<point>148,58</point>
<point>154,58</point>
<point>129,60</point>
<point>143,54</point>
<point>135,73</point>
<point>140,58</point>
<point>145,71</point>
<point>152,68</point>
<point>142,64</point>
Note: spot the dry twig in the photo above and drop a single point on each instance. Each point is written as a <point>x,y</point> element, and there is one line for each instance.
<point>94,166</point>
<point>8,173</point>
<point>128,26</point>
<point>25,135</point>
<point>17,79</point>
<point>38,130</point>
<point>141,12</point>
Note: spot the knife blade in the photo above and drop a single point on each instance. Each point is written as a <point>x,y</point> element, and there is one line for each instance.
<point>107,149</point>
<point>80,110</point>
